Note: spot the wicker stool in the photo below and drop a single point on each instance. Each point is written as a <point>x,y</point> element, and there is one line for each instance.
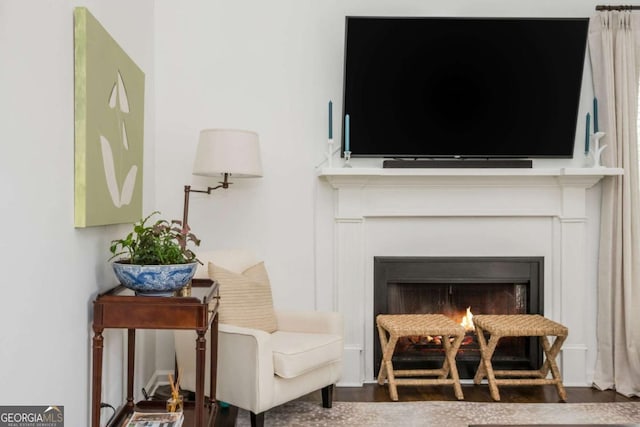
<point>519,325</point>
<point>402,325</point>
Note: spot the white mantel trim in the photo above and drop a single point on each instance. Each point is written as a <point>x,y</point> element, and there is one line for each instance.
<point>338,177</point>
<point>364,194</point>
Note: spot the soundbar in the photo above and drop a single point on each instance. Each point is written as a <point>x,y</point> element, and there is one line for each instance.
<point>458,163</point>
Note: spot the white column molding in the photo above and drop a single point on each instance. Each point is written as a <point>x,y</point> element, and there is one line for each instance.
<point>573,298</point>
<point>349,291</point>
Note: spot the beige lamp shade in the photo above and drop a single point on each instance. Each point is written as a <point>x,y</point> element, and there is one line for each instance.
<point>231,151</point>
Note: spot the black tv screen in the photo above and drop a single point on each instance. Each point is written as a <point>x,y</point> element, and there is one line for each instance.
<point>463,87</point>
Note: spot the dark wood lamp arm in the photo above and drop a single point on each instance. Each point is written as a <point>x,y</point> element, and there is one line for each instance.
<point>187,189</point>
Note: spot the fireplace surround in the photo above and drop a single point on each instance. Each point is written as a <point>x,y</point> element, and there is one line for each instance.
<point>549,213</point>
<point>448,285</point>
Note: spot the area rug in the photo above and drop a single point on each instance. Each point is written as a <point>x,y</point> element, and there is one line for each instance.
<point>444,414</point>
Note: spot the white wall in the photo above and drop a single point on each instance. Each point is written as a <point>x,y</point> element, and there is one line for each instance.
<point>51,272</point>
<point>272,67</point>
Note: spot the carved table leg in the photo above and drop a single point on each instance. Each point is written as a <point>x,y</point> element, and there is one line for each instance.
<point>213,358</point>
<point>131,359</point>
<point>201,350</point>
<point>98,342</point>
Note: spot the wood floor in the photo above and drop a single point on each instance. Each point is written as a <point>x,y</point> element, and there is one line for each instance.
<point>375,393</point>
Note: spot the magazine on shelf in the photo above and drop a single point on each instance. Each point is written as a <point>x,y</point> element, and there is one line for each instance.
<point>156,419</point>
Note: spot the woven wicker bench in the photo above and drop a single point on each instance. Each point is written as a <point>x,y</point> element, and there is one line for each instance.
<point>393,326</point>
<point>519,325</point>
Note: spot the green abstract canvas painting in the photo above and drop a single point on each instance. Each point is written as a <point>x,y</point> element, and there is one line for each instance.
<point>109,127</point>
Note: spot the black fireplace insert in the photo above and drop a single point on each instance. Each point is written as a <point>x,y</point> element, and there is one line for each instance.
<point>459,287</point>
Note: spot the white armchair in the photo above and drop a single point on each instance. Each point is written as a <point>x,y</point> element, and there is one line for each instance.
<point>258,370</point>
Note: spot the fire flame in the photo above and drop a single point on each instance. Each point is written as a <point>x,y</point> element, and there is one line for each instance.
<point>467,321</point>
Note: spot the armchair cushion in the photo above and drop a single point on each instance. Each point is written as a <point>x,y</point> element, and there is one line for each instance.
<point>245,298</point>
<point>296,353</point>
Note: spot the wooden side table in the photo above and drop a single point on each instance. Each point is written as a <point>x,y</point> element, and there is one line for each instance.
<point>402,325</point>
<point>519,325</point>
<point>120,308</point>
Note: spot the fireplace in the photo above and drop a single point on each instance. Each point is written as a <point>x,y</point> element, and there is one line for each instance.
<point>452,286</point>
<point>550,211</point>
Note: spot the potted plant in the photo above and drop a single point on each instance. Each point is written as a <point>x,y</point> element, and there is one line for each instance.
<point>156,257</point>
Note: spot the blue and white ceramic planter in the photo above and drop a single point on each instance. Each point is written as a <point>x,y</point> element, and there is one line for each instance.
<point>154,280</point>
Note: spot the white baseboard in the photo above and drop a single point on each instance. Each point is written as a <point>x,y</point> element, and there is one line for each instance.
<point>159,378</point>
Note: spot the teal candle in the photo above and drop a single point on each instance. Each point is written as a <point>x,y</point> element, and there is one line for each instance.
<point>330,120</point>
<point>586,134</point>
<point>346,133</point>
<point>595,114</point>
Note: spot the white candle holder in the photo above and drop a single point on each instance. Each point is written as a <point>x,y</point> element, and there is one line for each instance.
<point>347,159</point>
<point>597,149</point>
<point>330,153</point>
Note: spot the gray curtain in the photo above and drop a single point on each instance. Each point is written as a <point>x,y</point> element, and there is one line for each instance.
<point>615,57</point>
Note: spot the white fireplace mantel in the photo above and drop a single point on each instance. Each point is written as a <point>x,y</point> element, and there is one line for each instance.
<point>372,176</point>
<point>462,212</point>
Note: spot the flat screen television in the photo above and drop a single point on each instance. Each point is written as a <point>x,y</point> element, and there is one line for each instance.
<point>463,87</point>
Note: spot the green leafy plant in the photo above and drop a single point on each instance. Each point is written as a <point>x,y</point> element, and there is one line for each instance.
<point>162,243</point>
